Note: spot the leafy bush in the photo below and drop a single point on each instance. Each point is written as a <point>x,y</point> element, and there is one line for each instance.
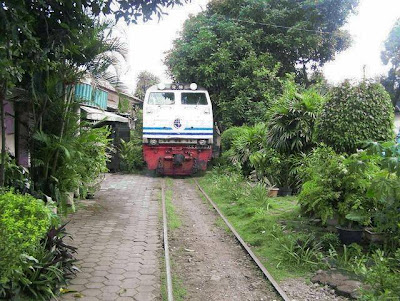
<point>383,276</point>
<point>336,185</point>
<point>132,151</point>
<point>229,135</point>
<point>329,240</point>
<point>292,117</point>
<point>385,189</point>
<point>24,221</point>
<point>34,258</point>
<point>355,114</point>
<point>250,140</point>
<point>81,157</point>
<point>132,154</point>
<point>267,165</point>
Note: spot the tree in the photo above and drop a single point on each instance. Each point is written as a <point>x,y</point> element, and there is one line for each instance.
<point>239,49</point>
<point>391,55</point>
<point>145,79</point>
<point>298,34</point>
<point>353,115</point>
<point>218,55</point>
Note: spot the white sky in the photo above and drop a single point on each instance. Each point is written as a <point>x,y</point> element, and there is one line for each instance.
<point>369,29</point>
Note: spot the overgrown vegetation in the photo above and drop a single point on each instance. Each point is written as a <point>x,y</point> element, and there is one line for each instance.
<point>46,48</point>
<point>35,260</point>
<point>292,245</point>
<point>132,151</point>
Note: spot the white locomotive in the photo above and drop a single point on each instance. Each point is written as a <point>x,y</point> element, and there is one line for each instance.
<point>177,128</point>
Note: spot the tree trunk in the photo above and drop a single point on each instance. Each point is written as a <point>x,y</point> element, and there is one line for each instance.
<point>67,100</point>
<point>3,93</point>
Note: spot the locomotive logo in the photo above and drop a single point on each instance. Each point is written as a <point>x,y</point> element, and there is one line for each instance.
<point>177,123</point>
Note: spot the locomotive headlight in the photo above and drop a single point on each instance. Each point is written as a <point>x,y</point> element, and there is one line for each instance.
<point>202,142</point>
<point>161,86</point>
<point>193,86</point>
<point>153,142</point>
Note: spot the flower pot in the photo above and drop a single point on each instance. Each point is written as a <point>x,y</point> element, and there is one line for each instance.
<point>273,192</point>
<point>348,236</point>
<point>372,236</point>
<point>285,191</point>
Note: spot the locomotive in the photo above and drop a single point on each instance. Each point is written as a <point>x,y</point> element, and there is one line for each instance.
<point>177,129</point>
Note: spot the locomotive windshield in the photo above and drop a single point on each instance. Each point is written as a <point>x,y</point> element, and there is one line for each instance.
<point>161,98</point>
<point>194,99</point>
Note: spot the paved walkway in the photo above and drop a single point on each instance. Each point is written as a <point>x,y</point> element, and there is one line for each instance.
<point>118,239</point>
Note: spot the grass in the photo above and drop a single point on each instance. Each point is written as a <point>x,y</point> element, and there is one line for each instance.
<point>179,291</point>
<point>174,222</point>
<point>173,219</point>
<point>271,226</point>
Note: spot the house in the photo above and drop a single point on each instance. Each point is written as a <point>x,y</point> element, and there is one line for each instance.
<point>103,105</point>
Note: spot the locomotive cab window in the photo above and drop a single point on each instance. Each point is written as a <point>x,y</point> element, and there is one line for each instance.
<point>194,99</point>
<point>161,98</point>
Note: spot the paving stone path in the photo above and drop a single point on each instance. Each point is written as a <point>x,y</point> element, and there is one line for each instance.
<point>117,235</point>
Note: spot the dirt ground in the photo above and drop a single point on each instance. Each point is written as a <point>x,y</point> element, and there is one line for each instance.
<point>210,263</point>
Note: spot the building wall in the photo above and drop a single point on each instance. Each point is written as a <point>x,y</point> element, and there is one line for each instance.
<point>97,98</point>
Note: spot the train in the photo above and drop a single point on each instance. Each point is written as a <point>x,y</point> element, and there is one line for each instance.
<point>177,129</point>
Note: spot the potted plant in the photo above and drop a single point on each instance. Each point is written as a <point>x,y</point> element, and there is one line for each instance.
<point>352,230</point>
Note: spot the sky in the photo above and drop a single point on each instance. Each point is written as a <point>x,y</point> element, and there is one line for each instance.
<point>369,28</point>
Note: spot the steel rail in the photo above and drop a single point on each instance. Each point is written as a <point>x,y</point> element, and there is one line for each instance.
<point>246,247</point>
<point>166,246</point>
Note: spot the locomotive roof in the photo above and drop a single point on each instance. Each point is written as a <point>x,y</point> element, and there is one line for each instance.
<point>168,87</point>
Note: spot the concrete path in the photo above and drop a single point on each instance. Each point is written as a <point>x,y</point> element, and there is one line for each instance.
<point>117,235</point>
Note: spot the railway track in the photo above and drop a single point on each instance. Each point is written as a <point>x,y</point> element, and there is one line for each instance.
<point>242,243</point>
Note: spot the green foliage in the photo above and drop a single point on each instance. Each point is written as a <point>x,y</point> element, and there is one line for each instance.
<point>355,114</point>
<point>250,140</point>
<point>391,56</point>
<point>385,189</point>
<point>292,117</point>
<point>239,60</point>
<point>132,154</point>
<point>300,250</point>
<point>124,105</point>
<point>145,80</point>
<point>335,185</point>
<point>329,241</point>
<point>383,276</point>
<point>229,135</point>
<point>24,221</point>
<point>218,54</point>
<point>82,157</point>
<point>267,164</point>
<point>132,151</point>
<point>16,176</point>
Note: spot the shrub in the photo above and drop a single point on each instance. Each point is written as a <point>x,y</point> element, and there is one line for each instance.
<point>24,221</point>
<point>251,140</point>
<point>132,154</point>
<point>383,276</point>
<point>354,114</point>
<point>385,189</point>
<point>292,117</point>
<point>229,135</point>
<point>336,185</point>
<point>132,151</point>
